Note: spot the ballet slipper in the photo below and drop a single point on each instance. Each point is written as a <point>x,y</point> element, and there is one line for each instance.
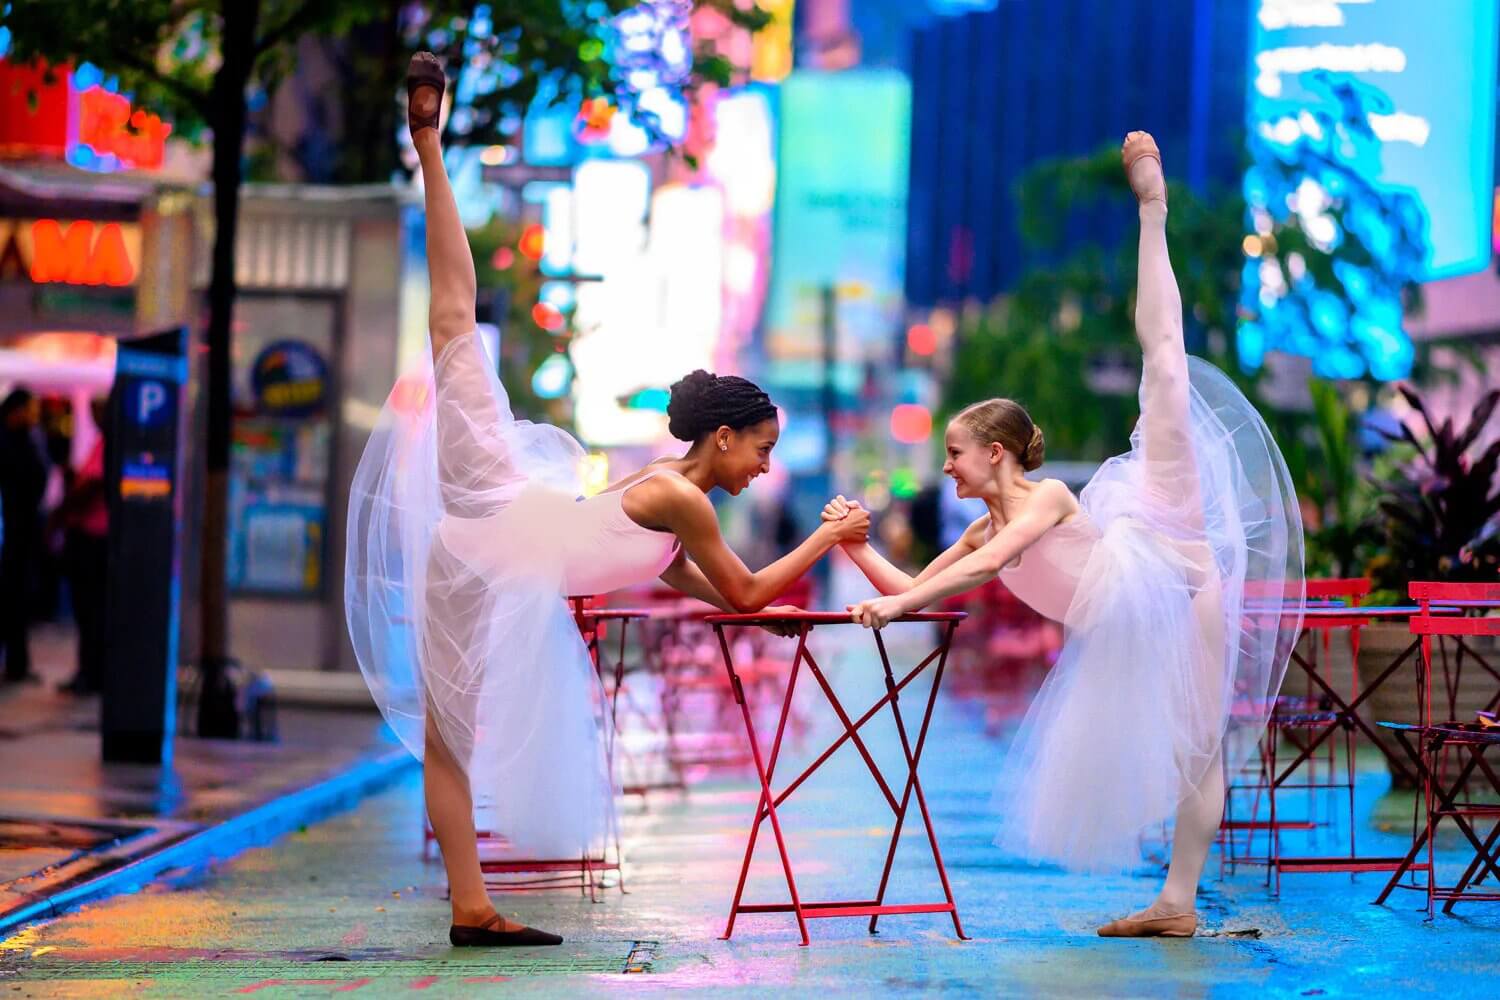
<point>424,71</point>
<point>1140,146</point>
<point>489,935</point>
<point>1176,925</point>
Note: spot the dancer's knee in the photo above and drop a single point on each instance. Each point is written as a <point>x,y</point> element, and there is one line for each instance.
<point>436,752</point>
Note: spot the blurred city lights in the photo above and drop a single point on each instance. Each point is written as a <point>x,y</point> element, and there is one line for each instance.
<point>911,423</point>
<point>533,242</point>
<point>552,377</point>
<point>921,340</point>
<point>904,484</point>
<point>547,317</point>
<point>593,472</point>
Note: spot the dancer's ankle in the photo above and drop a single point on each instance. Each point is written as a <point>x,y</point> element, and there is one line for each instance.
<point>473,916</point>
<point>1171,906</point>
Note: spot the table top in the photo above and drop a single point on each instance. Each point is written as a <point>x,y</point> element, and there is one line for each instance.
<point>826,618</point>
<point>1374,612</point>
<point>613,614</point>
<point>1461,730</point>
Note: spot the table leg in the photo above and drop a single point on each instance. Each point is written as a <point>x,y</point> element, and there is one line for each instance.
<point>766,805</point>
<point>1418,843</point>
<point>1484,854</point>
<point>913,758</point>
<point>853,732</point>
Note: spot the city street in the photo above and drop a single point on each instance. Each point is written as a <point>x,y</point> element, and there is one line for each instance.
<point>348,906</point>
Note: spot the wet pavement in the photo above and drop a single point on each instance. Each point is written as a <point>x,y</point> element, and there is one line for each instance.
<point>348,906</point>
<point>68,820</point>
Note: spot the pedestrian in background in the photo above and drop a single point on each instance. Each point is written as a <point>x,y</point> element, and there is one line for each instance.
<point>84,519</point>
<point>23,481</point>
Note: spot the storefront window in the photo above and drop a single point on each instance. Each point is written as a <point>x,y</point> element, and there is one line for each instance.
<point>283,429</point>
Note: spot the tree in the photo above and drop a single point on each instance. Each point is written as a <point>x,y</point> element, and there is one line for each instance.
<point>507,56</point>
<point>196,61</point>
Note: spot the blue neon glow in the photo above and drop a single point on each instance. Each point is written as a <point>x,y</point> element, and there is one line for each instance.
<point>553,377</point>
<point>1435,63</point>
<point>1330,250</point>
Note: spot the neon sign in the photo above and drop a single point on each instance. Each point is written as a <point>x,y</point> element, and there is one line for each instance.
<point>1372,144</point>
<point>78,252</point>
<point>63,112</point>
<point>108,126</point>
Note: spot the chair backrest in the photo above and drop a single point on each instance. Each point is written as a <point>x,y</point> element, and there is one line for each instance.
<point>1453,625</point>
<point>1351,588</point>
<point>1428,592</point>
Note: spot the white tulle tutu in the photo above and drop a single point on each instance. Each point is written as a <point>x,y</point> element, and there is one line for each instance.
<point>1167,669</point>
<point>462,525</point>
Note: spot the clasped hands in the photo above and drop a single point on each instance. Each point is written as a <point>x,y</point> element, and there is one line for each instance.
<point>876,612</point>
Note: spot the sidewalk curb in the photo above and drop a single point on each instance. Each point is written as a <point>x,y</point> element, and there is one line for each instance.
<point>254,828</point>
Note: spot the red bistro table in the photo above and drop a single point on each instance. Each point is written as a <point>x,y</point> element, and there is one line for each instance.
<point>554,872</point>
<point>1337,714</point>
<point>765,766</point>
<point>1348,711</point>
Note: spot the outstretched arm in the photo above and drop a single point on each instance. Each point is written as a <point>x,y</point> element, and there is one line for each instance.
<point>691,517</point>
<point>971,570</point>
<point>886,576</point>
<point>684,575</point>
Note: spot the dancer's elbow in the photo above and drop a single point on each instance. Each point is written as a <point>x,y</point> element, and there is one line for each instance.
<point>985,566</point>
<point>744,600</point>
<point>745,603</point>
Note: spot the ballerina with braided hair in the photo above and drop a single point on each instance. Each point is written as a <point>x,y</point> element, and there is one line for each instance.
<point>467,533</point>
<point>1168,669</point>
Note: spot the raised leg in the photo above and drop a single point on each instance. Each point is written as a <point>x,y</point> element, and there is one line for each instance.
<point>450,265</point>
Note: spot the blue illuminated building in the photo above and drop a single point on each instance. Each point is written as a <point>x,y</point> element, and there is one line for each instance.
<point>996,91</point>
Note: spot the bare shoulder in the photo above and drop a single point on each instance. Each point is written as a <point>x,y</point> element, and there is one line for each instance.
<point>1056,499</point>
<point>977,531</point>
<point>664,499</point>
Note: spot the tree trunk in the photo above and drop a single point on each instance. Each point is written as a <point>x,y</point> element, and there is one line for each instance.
<point>372,61</point>
<point>217,715</point>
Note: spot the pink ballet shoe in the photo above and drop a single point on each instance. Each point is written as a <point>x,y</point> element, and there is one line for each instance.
<point>1175,925</point>
<point>1140,146</point>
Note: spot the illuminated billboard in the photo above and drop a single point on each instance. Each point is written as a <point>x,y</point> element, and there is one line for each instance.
<point>1435,62</point>
<point>1371,133</point>
<point>840,216</point>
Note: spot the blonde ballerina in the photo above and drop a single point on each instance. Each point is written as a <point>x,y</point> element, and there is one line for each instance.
<point>1164,682</point>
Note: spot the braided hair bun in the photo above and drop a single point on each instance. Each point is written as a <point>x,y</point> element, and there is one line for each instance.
<point>702,402</point>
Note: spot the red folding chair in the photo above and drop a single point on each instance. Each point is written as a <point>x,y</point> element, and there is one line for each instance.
<point>1447,791</point>
<point>497,859</point>
<point>1296,753</point>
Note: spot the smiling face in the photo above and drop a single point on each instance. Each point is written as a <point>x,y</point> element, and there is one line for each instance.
<point>971,465</point>
<point>741,455</point>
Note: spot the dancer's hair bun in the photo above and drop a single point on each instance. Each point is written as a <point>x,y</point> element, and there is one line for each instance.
<point>686,408</point>
<point>1036,450</point>
<point>1006,422</point>
<point>702,403</point>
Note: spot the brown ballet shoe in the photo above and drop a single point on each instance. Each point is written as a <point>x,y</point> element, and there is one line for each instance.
<point>425,70</point>
<point>1140,146</point>
<point>1176,925</point>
